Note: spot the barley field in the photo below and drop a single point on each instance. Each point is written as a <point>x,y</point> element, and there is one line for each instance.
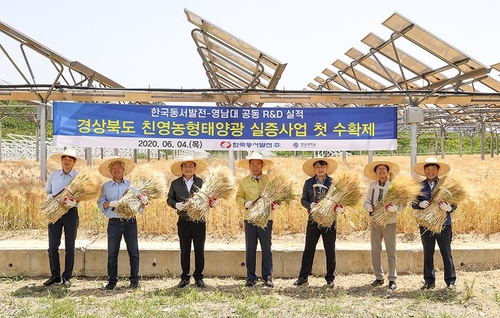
<point>21,194</point>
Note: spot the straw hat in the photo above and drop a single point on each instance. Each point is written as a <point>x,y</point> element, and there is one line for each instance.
<point>244,163</point>
<point>176,166</point>
<point>443,167</point>
<point>369,170</point>
<point>104,167</point>
<point>309,169</point>
<point>68,152</point>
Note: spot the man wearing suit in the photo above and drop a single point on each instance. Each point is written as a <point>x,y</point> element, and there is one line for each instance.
<point>181,189</point>
<point>431,169</point>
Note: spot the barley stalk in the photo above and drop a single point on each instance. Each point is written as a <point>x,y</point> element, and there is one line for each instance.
<point>277,189</point>
<point>218,184</point>
<point>401,191</point>
<point>151,183</point>
<point>433,217</point>
<point>83,187</point>
<point>345,191</point>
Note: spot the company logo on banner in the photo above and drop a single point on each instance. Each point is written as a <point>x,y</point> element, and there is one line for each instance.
<point>222,128</point>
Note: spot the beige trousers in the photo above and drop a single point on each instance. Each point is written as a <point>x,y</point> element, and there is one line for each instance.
<point>388,234</point>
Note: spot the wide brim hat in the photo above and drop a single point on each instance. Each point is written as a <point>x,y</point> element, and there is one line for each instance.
<point>69,152</point>
<point>309,169</point>
<point>104,167</point>
<point>176,166</point>
<point>443,167</point>
<point>369,170</point>
<point>244,163</point>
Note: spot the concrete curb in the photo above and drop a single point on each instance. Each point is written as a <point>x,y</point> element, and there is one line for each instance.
<point>161,259</point>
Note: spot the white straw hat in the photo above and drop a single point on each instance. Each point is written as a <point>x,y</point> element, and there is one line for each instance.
<point>244,163</point>
<point>443,167</point>
<point>369,170</point>
<point>308,166</point>
<point>176,166</point>
<point>129,165</point>
<point>68,152</point>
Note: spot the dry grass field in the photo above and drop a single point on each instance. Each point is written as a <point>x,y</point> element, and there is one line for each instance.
<point>477,295</point>
<point>21,193</point>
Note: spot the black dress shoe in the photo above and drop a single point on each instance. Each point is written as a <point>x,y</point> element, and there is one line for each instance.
<point>110,286</point>
<point>330,284</point>
<point>183,283</point>
<point>301,281</point>
<point>134,285</point>
<point>428,286</point>
<point>251,282</point>
<point>66,282</point>
<point>52,280</point>
<point>268,282</point>
<point>200,283</point>
<point>378,282</point>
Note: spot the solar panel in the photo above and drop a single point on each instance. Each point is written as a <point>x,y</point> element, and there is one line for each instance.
<point>231,62</point>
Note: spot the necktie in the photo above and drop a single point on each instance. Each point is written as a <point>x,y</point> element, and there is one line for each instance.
<point>431,184</point>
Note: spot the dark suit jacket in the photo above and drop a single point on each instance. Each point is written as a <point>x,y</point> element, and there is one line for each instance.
<point>178,192</point>
<point>308,195</point>
<point>426,196</point>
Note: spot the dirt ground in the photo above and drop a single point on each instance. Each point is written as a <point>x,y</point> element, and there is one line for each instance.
<point>282,240</point>
<point>477,293</point>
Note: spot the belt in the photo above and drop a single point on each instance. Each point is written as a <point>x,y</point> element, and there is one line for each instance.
<point>131,220</point>
<point>187,219</point>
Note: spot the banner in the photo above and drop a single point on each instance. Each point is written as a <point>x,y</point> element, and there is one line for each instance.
<point>218,128</point>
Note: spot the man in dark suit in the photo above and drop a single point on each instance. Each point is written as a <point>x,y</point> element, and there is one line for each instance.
<point>315,188</point>
<point>181,189</point>
<point>432,169</point>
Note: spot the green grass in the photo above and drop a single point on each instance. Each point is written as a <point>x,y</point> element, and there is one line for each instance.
<point>228,298</point>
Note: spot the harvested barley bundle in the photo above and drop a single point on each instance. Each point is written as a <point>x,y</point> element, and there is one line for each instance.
<point>150,182</point>
<point>277,189</point>
<point>401,191</point>
<point>433,217</point>
<point>85,186</point>
<point>218,184</point>
<point>345,190</point>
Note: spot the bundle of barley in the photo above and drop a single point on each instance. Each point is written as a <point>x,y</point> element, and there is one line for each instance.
<point>433,217</point>
<point>85,186</point>
<point>149,182</point>
<point>401,191</point>
<point>218,184</point>
<point>277,189</point>
<point>345,191</point>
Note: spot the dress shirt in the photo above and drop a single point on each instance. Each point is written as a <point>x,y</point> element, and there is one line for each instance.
<point>58,180</point>
<point>373,194</point>
<point>189,183</point>
<point>113,191</point>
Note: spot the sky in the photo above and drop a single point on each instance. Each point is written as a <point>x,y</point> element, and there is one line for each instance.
<point>147,43</point>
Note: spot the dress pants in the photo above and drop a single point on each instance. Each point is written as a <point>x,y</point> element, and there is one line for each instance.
<point>444,242</point>
<point>252,234</point>
<point>192,232</point>
<point>68,222</point>
<point>128,229</point>
<point>388,234</point>
<point>329,235</point>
